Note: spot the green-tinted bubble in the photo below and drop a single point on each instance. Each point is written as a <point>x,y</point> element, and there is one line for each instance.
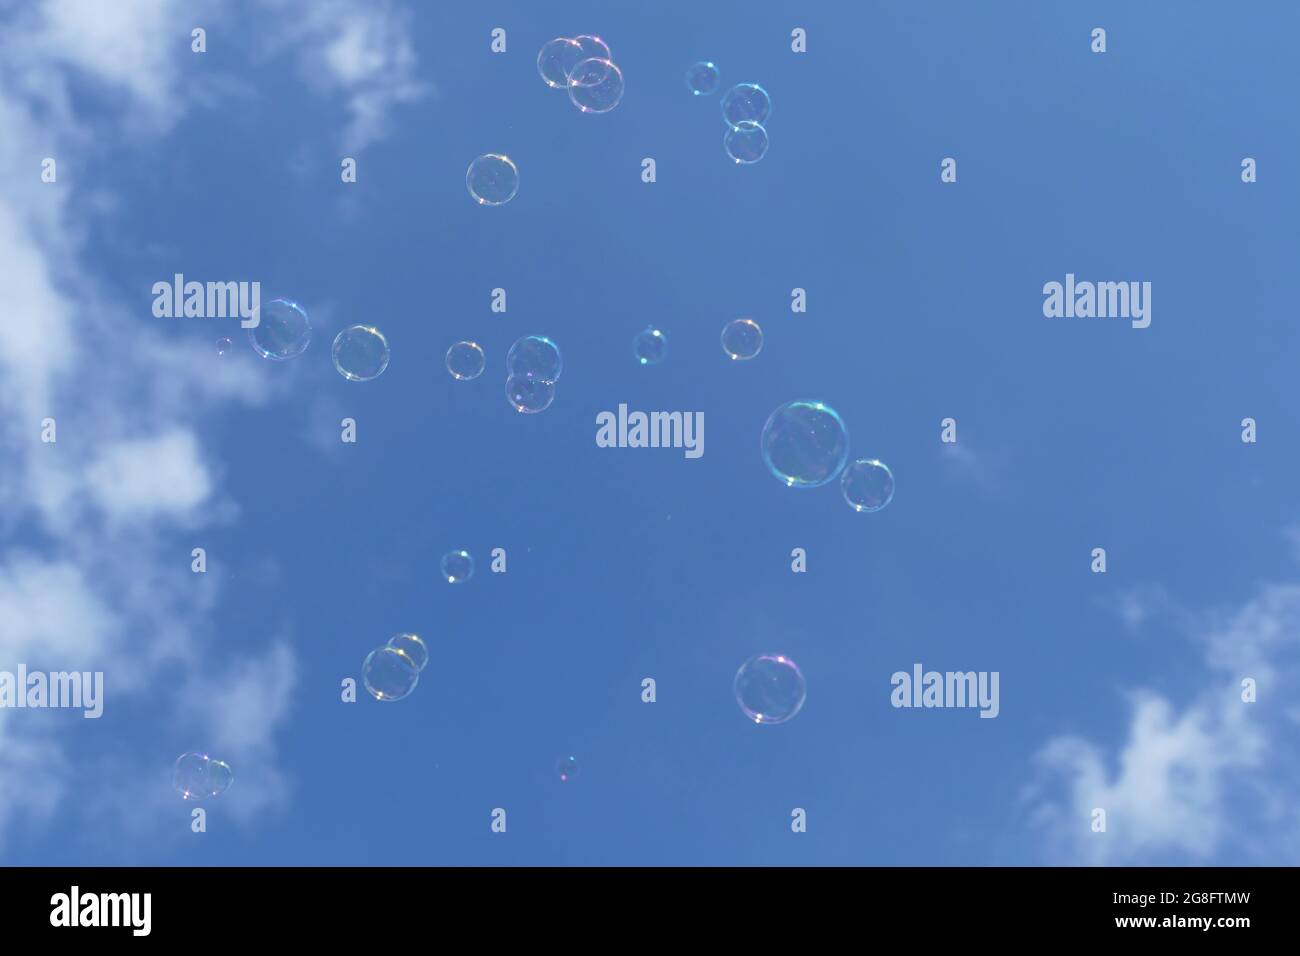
<point>360,353</point>
<point>413,647</point>
<point>389,674</point>
<point>867,485</point>
<point>742,339</point>
<point>283,330</point>
<point>457,567</point>
<point>805,444</point>
<point>492,179</point>
<point>650,346</point>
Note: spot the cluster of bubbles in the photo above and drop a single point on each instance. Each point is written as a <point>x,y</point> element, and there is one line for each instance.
<point>197,776</point>
<point>392,671</point>
<point>582,65</point>
<point>745,109</point>
<point>457,566</point>
<point>770,689</point>
<point>805,444</point>
<point>533,366</point>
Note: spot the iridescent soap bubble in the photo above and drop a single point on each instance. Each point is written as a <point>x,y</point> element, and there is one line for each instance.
<point>703,78</point>
<point>557,59</point>
<point>196,776</point>
<point>746,103</point>
<point>389,674</point>
<point>805,444</point>
<point>457,567</point>
<point>413,647</point>
<point>650,346</point>
<point>528,394</point>
<point>745,142</point>
<point>867,485</point>
<point>769,689</point>
<point>742,339</point>
<point>596,85</point>
<point>465,360</point>
<point>537,356</point>
<point>492,179</point>
<point>360,353</point>
<point>283,330</point>
<point>566,768</point>
<point>223,346</point>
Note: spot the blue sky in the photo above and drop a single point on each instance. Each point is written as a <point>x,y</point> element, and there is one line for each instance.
<point>1118,691</point>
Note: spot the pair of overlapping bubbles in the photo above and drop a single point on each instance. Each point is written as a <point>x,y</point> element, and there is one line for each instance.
<point>533,366</point>
<point>745,109</point>
<point>583,66</point>
<point>805,444</point>
<point>196,776</point>
<point>392,671</point>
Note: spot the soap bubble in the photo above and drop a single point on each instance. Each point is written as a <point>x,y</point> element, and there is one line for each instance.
<point>457,567</point>
<point>465,360</point>
<point>220,777</point>
<point>566,768</point>
<point>742,339</point>
<point>702,78</point>
<point>596,85</point>
<point>867,485</point>
<point>805,444</point>
<point>282,332</point>
<point>770,689</point>
<point>389,674</point>
<point>492,179</point>
<point>197,776</point>
<point>557,59</point>
<point>745,142</point>
<point>360,353</point>
<point>592,47</point>
<point>650,346</point>
<point>536,356</point>
<point>223,346</point>
<point>529,394</point>
<point>413,647</point>
<point>746,102</point>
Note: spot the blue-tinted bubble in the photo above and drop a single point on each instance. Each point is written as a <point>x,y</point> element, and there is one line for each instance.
<point>529,395</point>
<point>769,689</point>
<point>746,103</point>
<point>805,444</point>
<point>413,647</point>
<point>650,346</point>
<point>566,768</point>
<point>536,356</point>
<point>389,674</point>
<point>196,776</point>
<point>745,143</point>
<point>465,360</point>
<point>283,330</point>
<point>742,339</point>
<point>596,85</point>
<point>360,353</point>
<point>457,567</point>
<point>703,78</point>
<point>223,346</point>
<point>867,485</point>
<point>492,179</point>
<point>557,59</point>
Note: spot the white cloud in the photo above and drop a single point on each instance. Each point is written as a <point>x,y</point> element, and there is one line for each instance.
<point>158,476</point>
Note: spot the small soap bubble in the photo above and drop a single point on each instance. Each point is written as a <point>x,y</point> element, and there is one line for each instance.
<point>465,360</point>
<point>596,85</point>
<point>746,102</point>
<point>360,353</point>
<point>457,567</point>
<point>528,394</point>
<point>557,59</point>
<point>196,776</point>
<point>805,444</point>
<point>566,768</point>
<point>389,674</point>
<point>536,356</point>
<point>770,689</point>
<point>745,142</point>
<point>413,647</point>
<point>650,346</point>
<point>742,339</point>
<point>492,179</point>
<point>223,346</point>
<point>703,78</point>
<point>283,330</point>
<point>867,485</point>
